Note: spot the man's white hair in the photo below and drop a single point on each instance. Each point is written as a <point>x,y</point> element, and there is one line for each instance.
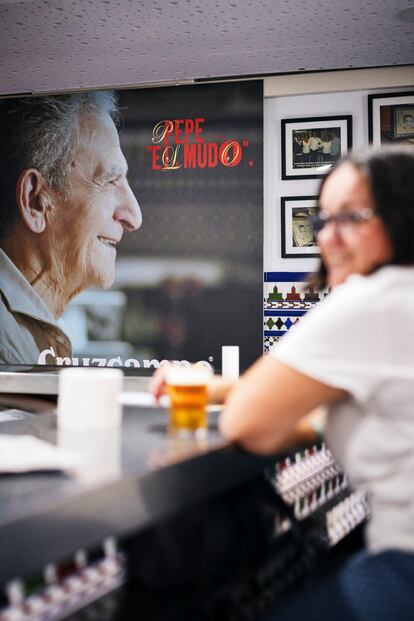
<point>42,133</point>
<point>52,136</point>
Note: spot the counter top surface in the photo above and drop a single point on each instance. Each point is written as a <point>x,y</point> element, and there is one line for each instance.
<point>133,479</point>
<point>38,381</point>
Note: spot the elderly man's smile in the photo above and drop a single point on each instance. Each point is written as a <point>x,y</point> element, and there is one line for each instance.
<point>107,241</point>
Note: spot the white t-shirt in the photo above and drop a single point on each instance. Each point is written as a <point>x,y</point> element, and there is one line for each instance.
<point>361,339</point>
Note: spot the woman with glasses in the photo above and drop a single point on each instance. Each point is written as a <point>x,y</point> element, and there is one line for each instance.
<point>354,355</point>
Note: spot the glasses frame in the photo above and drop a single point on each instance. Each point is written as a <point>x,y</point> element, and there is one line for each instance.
<point>346,216</point>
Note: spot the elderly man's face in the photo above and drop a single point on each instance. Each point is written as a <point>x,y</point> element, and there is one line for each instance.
<point>98,207</point>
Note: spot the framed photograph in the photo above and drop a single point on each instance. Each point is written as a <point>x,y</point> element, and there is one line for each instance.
<point>298,239</point>
<point>391,118</point>
<point>311,146</point>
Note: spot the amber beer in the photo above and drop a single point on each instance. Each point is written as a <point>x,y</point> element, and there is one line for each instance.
<point>187,389</point>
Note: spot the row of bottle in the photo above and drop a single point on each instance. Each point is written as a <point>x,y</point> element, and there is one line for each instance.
<point>62,590</point>
<point>346,515</point>
<point>306,473</point>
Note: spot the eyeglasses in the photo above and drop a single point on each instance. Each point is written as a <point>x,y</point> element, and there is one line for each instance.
<point>344,221</point>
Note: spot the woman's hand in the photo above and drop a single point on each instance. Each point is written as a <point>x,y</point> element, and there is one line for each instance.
<point>158,383</point>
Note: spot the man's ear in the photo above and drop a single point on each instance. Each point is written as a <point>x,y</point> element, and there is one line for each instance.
<point>32,199</point>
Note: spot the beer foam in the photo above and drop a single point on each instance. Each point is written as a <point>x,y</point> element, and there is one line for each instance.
<point>188,376</point>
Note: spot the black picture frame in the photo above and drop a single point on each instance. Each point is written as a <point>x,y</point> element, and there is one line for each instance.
<point>297,243</point>
<point>316,162</point>
<point>385,114</point>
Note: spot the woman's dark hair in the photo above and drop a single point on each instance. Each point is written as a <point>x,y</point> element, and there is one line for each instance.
<point>390,174</point>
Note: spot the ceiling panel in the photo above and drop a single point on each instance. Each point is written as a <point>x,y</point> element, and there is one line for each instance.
<point>63,44</point>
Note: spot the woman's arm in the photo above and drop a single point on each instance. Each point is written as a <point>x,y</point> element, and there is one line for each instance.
<point>267,403</point>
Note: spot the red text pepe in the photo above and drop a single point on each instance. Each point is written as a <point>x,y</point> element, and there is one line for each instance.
<point>180,144</point>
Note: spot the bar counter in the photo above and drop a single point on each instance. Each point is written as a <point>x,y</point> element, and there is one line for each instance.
<point>47,517</point>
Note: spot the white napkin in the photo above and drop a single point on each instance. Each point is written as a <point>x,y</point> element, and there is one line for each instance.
<point>23,453</point>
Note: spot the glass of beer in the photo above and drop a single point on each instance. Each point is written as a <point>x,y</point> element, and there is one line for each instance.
<point>187,389</point>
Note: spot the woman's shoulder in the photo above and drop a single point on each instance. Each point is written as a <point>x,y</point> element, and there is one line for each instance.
<point>384,282</point>
<point>362,298</point>
<point>361,291</point>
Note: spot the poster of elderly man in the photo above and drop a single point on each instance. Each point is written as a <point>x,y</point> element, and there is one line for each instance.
<point>111,239</point>
<point>66,205</point>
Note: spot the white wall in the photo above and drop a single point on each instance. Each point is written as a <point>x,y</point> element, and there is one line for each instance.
<point>309,105</point>
<point>331,81</point>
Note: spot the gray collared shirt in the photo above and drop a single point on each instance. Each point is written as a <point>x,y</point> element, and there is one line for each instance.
<point>27,327</point>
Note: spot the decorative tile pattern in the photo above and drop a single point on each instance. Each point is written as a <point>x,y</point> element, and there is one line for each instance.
<point>269,342</point>
<point>287,297</point>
